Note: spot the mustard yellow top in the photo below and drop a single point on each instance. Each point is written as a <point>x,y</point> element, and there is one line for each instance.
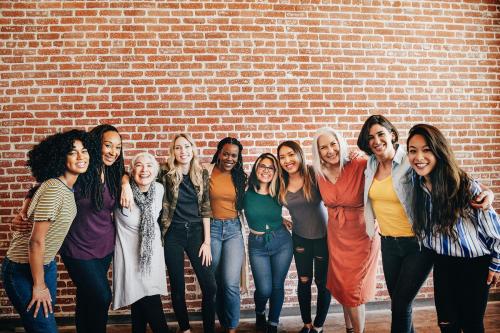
<point>388,210</point>
<point>222,195</point>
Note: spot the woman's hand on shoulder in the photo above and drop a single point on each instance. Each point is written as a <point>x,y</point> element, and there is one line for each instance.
<point>483,200</point>
<point>354,154</point>
<point>126,197</point>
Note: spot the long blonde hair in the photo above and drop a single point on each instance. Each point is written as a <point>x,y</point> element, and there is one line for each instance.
<point>195,168</point>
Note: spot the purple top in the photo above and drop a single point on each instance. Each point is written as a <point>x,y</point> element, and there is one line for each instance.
<point>92,234</point>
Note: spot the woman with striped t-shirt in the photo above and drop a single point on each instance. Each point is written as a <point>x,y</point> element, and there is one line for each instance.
<point>29,271</point>
<point>465,241</point>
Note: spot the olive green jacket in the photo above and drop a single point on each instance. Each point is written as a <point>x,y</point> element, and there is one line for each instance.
<point>171,195</point>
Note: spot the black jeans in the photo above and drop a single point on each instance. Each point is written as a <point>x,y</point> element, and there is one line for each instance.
<point>308,252</point>
<point>406,267</point>
<point>188,238</point>
<point>93,294</point>
<point>148,310</point>
<point>461,293</point>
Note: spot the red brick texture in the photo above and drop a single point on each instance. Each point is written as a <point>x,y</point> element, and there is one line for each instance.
<point>263,71</point>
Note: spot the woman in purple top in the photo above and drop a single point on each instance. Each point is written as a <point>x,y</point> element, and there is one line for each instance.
<point>89,245</point>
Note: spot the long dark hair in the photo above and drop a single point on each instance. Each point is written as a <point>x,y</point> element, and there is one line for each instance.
<point>451,190</point>
<point>238,175</point>
<point>305,172</point>
<point>90,182</point>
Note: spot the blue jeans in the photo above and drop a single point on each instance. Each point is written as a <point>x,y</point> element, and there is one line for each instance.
<point>93,294</point>
<point>270,261</point>
<point>227,257</point>
<point>406,266</point>
<point>18,284</point>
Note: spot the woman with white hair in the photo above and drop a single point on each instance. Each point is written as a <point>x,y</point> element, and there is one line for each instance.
<point>139,276</point>
<point>352,254</point>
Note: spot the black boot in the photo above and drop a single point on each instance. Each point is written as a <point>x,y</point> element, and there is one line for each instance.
<point>271,329</point>
<point>260,321</point>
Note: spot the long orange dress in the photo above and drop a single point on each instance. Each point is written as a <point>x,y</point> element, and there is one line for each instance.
<point>352,254</point>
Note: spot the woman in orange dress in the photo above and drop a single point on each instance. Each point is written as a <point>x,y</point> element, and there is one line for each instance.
<point>352,254</point>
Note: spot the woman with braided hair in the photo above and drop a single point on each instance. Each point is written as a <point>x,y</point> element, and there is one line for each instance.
<point>227,190</point>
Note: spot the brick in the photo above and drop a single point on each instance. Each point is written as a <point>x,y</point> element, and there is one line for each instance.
<point>264,72</point>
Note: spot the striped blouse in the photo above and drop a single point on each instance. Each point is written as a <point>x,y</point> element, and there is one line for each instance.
<point>474,240</point>
<point>53,202</point>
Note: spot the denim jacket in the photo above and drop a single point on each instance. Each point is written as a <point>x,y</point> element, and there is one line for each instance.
<point>401,181</point>
<point>172,194</point>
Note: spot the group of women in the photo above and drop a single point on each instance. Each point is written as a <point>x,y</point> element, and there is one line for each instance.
<point>416,205</point>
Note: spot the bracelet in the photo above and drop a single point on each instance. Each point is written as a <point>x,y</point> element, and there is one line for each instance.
<point>41,290</point>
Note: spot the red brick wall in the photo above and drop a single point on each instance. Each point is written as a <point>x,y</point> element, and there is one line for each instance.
<point>263,71</point>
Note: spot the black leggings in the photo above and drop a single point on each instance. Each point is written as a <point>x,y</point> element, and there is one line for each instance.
<point>148,310</point>
<point>461,293</point>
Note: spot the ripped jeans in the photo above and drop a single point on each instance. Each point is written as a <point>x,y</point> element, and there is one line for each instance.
<point>308,252</point>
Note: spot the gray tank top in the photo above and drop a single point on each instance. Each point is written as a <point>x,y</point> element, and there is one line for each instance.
<point>309,218</point>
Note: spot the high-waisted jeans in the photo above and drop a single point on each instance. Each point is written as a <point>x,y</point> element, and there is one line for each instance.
<point>227,257</point>
<point>270,260</point>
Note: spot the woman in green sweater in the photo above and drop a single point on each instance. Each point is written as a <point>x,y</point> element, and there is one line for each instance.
<point>270,246</point>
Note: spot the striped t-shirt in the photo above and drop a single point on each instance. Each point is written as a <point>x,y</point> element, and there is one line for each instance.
<point>53,202</point>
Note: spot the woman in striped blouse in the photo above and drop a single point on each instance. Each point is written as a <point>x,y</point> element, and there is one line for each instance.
<point>29,270</point>
<point>465,241</point>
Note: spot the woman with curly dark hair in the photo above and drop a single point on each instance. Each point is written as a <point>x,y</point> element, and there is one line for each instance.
<point>29,270</point>
<point>465,241</point>
<point>89,245</point>
<point>227,190</point>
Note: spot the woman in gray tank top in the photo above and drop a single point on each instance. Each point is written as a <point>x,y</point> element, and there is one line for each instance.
<point>300,195</point>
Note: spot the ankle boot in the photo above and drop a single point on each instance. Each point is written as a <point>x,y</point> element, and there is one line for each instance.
<point>271,329</point>
<point>260,321</point>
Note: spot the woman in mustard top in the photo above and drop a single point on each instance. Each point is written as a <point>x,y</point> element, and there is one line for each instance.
<point>227,190</point>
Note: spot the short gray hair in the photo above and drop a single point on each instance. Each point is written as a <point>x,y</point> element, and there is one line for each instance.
<point>156,166</point>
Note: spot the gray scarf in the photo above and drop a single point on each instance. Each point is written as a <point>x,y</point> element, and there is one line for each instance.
<point>147,224</point>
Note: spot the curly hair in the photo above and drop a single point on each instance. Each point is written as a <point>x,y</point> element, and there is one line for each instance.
<point>274,186</point>
<point>90,182</point>
<point>451,187</point>
<point>48,158</point>
<point>238,175</point>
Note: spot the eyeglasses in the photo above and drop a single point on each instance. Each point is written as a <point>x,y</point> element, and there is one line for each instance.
<point>264,167</point>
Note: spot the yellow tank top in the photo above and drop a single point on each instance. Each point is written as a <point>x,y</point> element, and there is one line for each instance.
<point>388,210</point>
